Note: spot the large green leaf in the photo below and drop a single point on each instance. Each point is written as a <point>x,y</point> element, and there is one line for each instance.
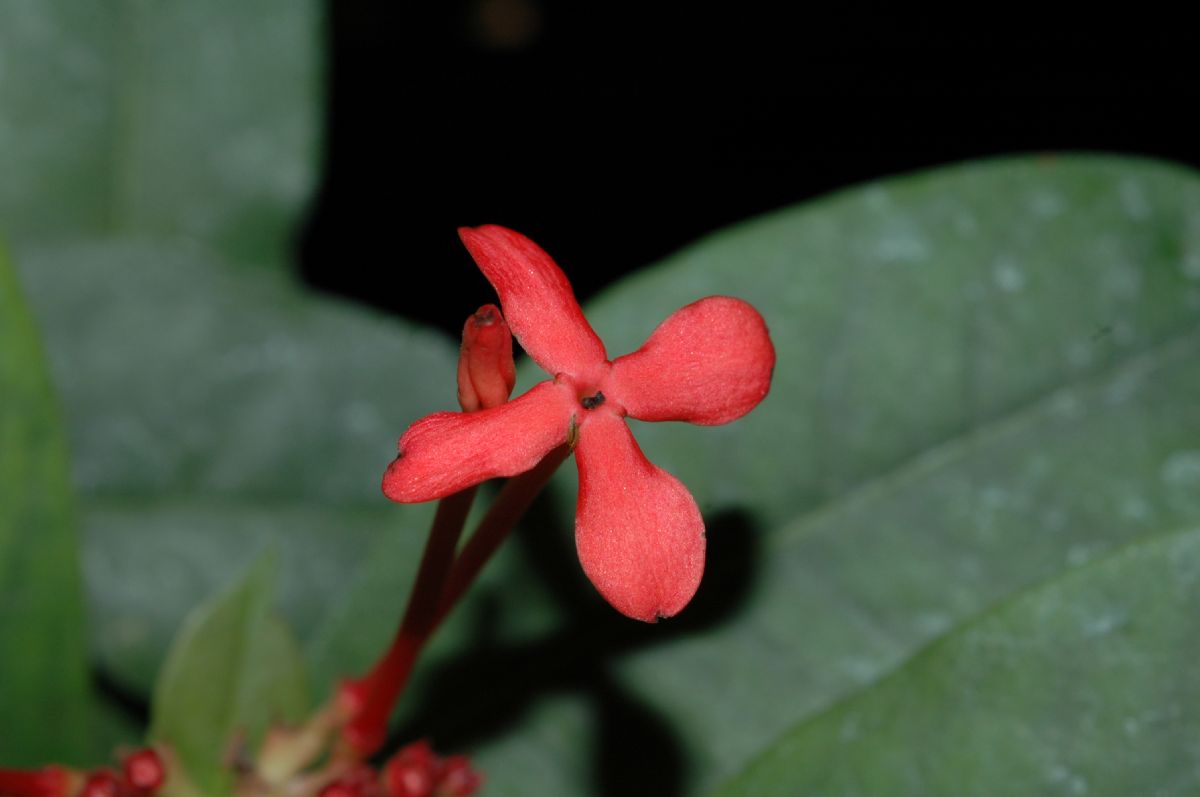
<point>234,671</point>
<point>43,675</point>
<point>911,311</point>
<point>1086,685</point>
<point>987,375</point>
<point>214,412</point>
<point>135,116</point>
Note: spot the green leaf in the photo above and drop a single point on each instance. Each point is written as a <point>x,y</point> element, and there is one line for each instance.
<point>1085,685</point>
<point>215,412</point>
<point>233,671</point>
<point>986,376</point>
<point>43,674</point>
<point>909,312</point>
<point>143,117</point>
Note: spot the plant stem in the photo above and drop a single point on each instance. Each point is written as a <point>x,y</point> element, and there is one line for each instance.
<point>374,695</point>
<point>51,781</point>
<point>441,581</point>
<point>512,502</point>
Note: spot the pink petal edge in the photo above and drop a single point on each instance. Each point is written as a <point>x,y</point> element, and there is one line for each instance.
<point>709,363</point>
<point>638,531</point>
<point>539,304</point>
<point>446,452</point>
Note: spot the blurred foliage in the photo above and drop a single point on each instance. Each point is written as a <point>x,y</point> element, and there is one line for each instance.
<point>43,675</point>
<point>962,501</point>
<point>233,671</point>
<point>218,411</point>
<point>142,118</point>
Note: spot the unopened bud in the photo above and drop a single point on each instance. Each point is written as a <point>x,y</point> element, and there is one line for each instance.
<point>144,770</point>
<point>457,778</point>
<point>411,772</point>
<point>101,783</point>
<point>486,374</point>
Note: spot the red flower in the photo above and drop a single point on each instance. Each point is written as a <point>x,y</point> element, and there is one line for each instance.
<point>638,531</point>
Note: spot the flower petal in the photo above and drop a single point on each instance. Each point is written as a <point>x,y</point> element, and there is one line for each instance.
<point>638,531</point>
<point>708,363</point>
<point>450,451</point>
<point>538,302</point>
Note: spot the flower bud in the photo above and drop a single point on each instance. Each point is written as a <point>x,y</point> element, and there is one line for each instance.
<point>457,779</point>
<point>411,772</point>
<point>144,770</point>
<point>486,374</point>
<point>101,783</point>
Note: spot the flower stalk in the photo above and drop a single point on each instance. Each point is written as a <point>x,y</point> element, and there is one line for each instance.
<point>50,781</point>
<point>369,700</point>
<point>512,502</point>
<point>486,377</point>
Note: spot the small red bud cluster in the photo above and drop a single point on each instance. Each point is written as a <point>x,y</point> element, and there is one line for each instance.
<point>142,773</point>
<point>414,771</point>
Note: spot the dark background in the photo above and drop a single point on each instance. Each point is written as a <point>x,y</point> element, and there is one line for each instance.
<point>614,133</point>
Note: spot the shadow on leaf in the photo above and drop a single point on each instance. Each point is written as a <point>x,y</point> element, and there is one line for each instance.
<point>487,689</point>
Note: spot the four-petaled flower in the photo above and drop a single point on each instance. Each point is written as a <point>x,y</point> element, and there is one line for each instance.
<point>638,530</point>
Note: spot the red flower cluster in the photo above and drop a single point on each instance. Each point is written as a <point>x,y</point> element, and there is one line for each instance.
<point>638,530</point>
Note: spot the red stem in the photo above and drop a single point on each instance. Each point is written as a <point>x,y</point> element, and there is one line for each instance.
<point>373,696</point>
<point>441,582</point>
<point>514,499</point>
<point>51,781</point>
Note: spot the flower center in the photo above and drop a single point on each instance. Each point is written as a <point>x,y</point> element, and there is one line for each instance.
<point>592,402</point>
